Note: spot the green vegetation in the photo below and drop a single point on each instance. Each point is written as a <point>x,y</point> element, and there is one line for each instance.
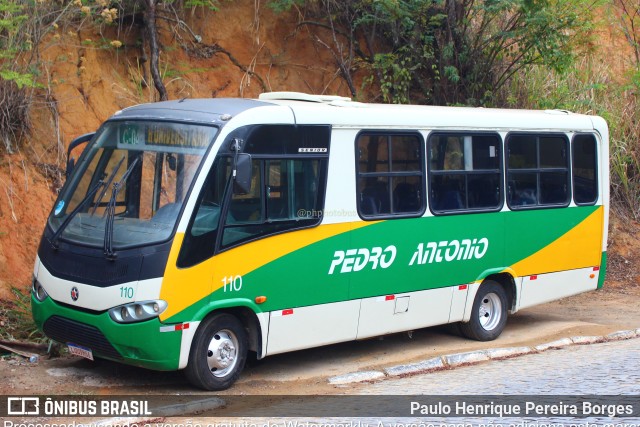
<point>15,78</point>
<point>447,52</point>
<point>25,23</point>
<point>15,319</point>
<point>501,53</point>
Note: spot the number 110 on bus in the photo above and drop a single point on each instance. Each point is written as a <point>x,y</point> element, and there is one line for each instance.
<point>232,283</point>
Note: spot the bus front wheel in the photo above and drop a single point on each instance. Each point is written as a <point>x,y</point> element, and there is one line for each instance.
<point>489,313</point>
<point>218,353</point>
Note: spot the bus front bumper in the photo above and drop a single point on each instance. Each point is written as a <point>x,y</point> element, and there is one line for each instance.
<point>148,344</point>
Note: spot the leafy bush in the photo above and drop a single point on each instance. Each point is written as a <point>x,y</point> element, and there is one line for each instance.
<point>448,52</point>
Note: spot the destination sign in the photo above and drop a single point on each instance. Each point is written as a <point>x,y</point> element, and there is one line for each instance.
<point>165,135</point>
<point>177,136</point>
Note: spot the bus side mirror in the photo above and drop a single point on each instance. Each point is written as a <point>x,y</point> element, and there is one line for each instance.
<point>242,174</point>
<point>71,162</point>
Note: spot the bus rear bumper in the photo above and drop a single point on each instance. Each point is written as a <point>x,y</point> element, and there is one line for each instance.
<point>149,344</point>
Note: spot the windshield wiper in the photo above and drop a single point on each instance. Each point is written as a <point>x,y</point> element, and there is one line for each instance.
<point>107,184</point>
<point>87,197</point>
<point>67,220</point>
<point>111,211</point>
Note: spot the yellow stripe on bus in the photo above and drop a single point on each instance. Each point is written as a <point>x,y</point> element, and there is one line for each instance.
<point>184,287</point>
<point>580,247</point>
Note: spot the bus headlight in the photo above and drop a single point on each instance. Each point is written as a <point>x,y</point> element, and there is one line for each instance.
<point>137,311</point>
<point>38,291</point>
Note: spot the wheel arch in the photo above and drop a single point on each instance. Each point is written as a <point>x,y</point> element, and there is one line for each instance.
<point>488,307</point>
<point>504,277</point>
<point>251,324</point>
<point>253,320</point>
<point>508,283</point>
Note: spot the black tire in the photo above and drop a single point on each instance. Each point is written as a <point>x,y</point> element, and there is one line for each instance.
<point>218,353</point>
<point>489,313</point>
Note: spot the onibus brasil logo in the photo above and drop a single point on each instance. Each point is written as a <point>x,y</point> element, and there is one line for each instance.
<point>34,405</point>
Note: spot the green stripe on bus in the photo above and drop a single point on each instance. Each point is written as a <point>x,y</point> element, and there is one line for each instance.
<point>397,256</point>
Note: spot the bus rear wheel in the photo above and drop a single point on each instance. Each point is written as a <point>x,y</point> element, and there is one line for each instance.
<point>489,313</point>
<point>218,353</point>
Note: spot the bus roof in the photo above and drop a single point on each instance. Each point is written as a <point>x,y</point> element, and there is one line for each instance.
<point>342,112</point>
<point>357,114</point>
<point>203,110</point>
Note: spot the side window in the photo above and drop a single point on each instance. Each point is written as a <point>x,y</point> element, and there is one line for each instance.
<point>465,172</point>
<point>584,169</point>
<point>248,208</point>
<point>285,194</point>
<point>292,189</point>
<point>389,175</point>
<point>537,171</point>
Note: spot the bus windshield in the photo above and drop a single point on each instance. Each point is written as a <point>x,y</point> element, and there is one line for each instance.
<point>130,183</point>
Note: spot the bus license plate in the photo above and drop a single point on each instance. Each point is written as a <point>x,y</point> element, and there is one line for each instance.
<point>80,351</point>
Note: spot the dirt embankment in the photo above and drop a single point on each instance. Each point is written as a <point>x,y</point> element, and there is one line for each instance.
<point>86,80</point>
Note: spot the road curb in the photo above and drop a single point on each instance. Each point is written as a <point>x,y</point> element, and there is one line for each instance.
<point>415,368</point>
<point>554,344</point>
<point>356,377</point>
<point>508,352</point>
<point>622,335</point>
<point>591,339</point>
<point>469,358</point>
<point>451,361</point>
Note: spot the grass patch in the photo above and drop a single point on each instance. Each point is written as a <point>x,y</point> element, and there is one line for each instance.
<point>16,322</point>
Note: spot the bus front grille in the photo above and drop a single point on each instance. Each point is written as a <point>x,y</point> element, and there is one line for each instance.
<point>69,331</point>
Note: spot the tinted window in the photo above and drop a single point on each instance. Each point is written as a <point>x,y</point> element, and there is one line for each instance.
<point>289,168</point>
<point>464,172</point>
<point>390,171</point>
<point>538,170</point>
<point>585,178</point>
<point>285,194</point>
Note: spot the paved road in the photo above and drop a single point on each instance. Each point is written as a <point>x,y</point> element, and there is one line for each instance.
<point>608,368</point>
<point>604,369</point>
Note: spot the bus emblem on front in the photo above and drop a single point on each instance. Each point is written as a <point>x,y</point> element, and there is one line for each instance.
<point>75,293</point>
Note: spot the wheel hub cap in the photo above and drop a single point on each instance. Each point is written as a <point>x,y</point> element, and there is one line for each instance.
<point>222,353</point>
<point>490,311</point>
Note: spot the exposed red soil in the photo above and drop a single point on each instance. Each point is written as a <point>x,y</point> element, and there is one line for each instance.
<point>88,81</point>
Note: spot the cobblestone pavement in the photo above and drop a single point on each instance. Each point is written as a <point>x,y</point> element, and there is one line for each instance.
<point>604,369</point>
<point>598,369</point>
<point>608,368</point>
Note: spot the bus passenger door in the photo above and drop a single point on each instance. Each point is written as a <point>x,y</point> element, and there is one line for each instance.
<point>277,231</point>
